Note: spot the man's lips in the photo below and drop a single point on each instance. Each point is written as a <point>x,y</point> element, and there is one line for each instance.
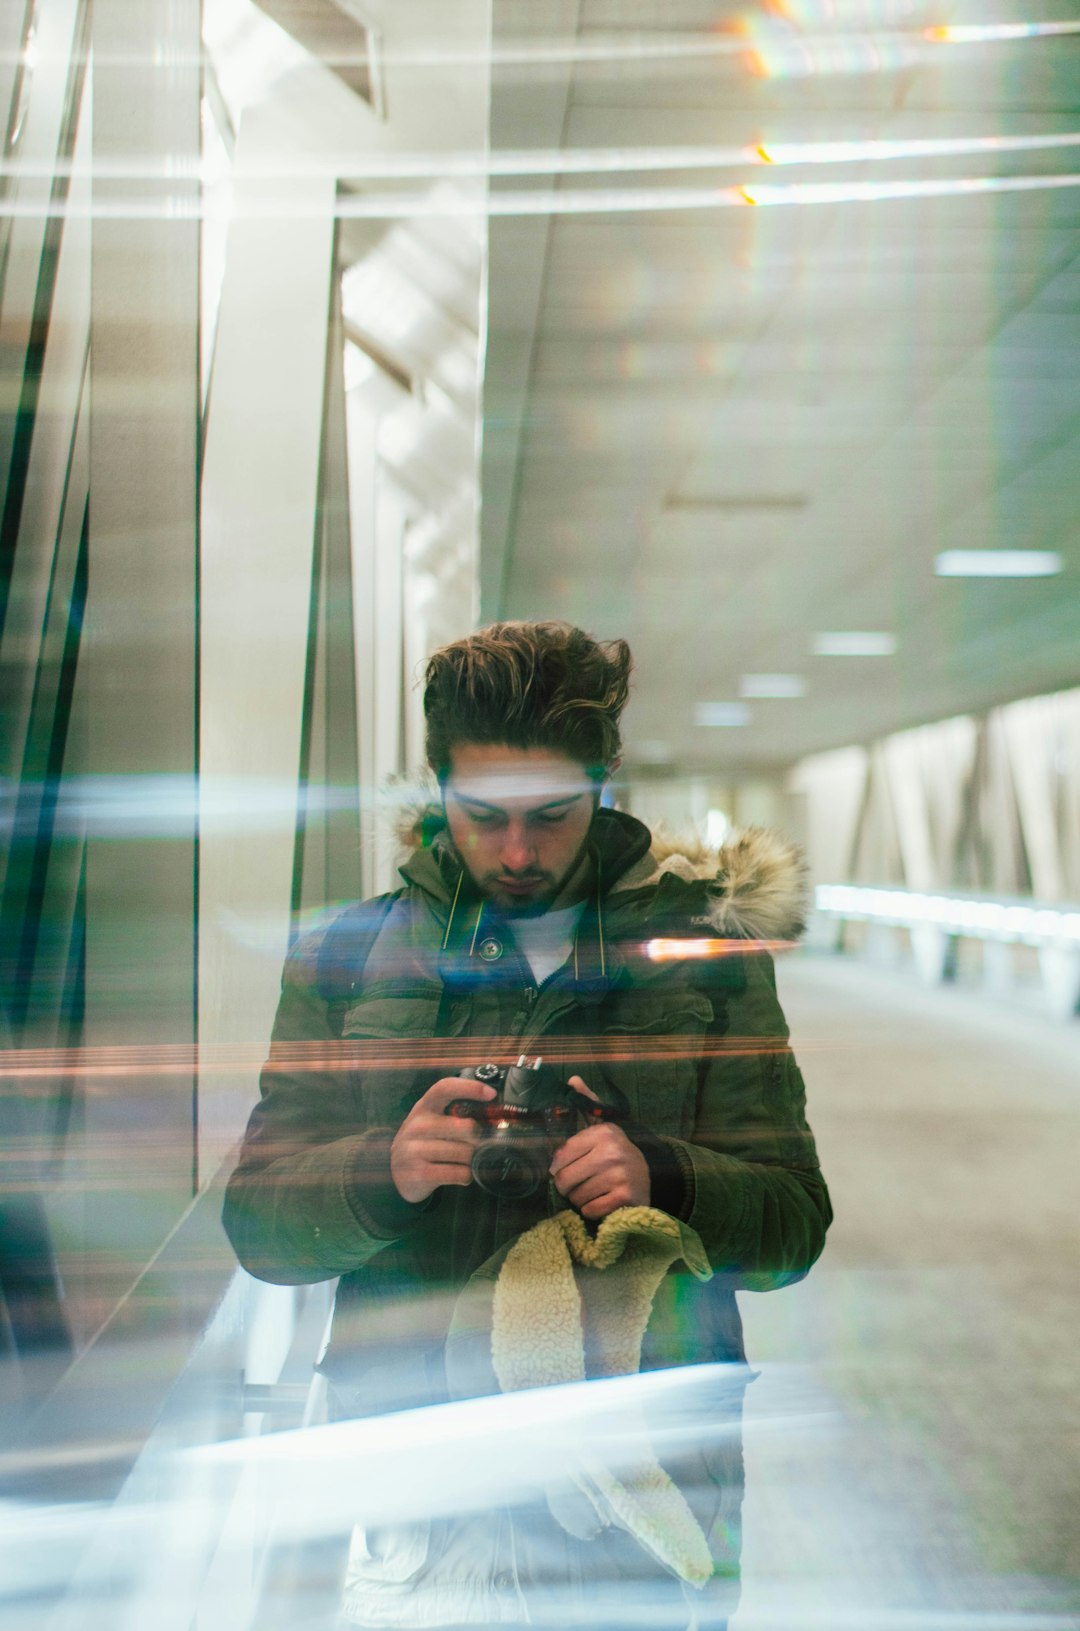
<point>520,886</point>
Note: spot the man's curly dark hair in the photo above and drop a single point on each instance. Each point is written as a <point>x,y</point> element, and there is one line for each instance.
<point>528,685</point>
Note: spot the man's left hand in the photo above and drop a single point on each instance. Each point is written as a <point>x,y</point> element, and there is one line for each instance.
<point>600,1169</point>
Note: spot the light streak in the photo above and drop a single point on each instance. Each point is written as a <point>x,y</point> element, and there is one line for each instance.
<point>874,151</point>
<point>996,33</point>
<point>596,48</point>
<point>868,192</point>
<point>666,951</point>
<point>351,166</point>
<point>568,201</point>
<point>445,1054</point>
<point>1020,922</point>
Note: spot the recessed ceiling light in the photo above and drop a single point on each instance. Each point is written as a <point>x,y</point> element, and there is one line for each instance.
<point>772,685</point>
<point>722,713</point>
<point>997,563</point>
<point>854,643</point>
<point>652,751</point>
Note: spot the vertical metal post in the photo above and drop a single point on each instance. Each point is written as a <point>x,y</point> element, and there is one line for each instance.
<point>139,675</point>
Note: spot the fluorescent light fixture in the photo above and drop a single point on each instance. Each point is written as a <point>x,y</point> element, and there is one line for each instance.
<point>772,685</point>
<point>981,919</point>
<point>652,751</point>
<point>854,643</point>
<point>722,713</point>
<point>997,563</point>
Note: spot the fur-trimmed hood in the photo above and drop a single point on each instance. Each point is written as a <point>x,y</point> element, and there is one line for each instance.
<point>756,881</point>
<point>757,885</point>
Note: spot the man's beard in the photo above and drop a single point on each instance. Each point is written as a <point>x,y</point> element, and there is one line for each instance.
<point>525,905</point>
<point>530,905</point>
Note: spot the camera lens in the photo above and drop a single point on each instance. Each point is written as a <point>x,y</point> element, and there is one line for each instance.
<point>508,1170</point>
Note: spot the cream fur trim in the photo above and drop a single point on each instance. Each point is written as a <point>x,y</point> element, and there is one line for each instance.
<point>758,884</point>
<point>561,1291</point>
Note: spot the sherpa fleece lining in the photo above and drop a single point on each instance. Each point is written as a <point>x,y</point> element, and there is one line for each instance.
<point>560,1293</point>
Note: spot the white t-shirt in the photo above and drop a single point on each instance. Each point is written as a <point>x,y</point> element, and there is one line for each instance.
<point>547,941</point>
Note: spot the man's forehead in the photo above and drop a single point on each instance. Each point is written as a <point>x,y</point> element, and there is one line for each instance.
<point>519,784</point>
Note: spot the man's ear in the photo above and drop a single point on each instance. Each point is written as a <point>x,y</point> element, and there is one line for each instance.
<point>603,786</point>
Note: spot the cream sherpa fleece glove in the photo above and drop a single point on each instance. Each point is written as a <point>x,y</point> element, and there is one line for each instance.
<point>561,1291</point>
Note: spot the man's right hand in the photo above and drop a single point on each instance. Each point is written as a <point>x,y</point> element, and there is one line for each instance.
<point>431,1148</point>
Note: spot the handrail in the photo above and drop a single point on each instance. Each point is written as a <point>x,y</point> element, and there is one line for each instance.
<point>982,917</point>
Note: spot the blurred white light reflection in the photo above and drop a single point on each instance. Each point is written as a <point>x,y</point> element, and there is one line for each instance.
<point>854,643</point>
<point>1029,924</point>
<point>417,206</point>
<point>168,806</point>
<point>729,715</point>
<point>997,563</point>
<point>772,685</point>
<point>354,166</point>
<point>473,1454</point>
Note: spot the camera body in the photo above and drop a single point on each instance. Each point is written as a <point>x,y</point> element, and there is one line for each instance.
<point>534,1111</point>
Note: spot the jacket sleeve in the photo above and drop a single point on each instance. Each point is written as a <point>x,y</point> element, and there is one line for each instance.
<point>311,1195</point>
<point>752,1183</point>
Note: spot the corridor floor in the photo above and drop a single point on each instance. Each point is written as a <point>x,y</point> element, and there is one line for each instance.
<point>913,1441</point>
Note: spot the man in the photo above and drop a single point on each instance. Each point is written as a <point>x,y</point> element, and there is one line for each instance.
<point>534,920</point>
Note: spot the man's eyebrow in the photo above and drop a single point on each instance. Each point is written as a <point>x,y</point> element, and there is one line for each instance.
<point>498,809</point>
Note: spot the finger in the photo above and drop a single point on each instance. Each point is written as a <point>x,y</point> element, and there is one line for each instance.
<point>436,1150</point>
<point>577,1083</point>
<point>448,1088</point>
<point>592,1189</point>
<point>439,1173</point>
<point>591,1166</point>
<point>602,1206</point>
<point>574,1148</point>
<point>568,1173</point>
<point>604,1137</point>
<point>462,1129</point>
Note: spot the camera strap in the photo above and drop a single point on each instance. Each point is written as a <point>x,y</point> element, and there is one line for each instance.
<point>592,1110</point>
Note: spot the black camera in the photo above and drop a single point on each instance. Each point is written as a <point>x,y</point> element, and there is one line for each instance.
<point>534,1111</point>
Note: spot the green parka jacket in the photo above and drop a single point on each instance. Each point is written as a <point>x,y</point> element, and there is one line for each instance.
<point>669,998</point>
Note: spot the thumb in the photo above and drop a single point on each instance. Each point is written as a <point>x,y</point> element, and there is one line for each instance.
<point>577,1083</point>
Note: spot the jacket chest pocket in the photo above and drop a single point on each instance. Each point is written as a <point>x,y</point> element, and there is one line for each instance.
<point>408,1063</point>
<point>651,1047</point>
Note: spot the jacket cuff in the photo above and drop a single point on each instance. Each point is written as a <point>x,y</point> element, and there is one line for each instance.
<point>370,1191</point>
<point>671,1177</point>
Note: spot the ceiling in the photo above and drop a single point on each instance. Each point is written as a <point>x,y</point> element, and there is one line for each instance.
<point>722,429</point>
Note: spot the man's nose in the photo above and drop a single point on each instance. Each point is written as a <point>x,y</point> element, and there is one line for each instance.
<point>519,849</point>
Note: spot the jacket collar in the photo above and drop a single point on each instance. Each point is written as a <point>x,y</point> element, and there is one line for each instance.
<point>475,935</point>
<point>616,843</point>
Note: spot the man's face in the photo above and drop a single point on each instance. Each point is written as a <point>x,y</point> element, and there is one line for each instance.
<point>519,819</point>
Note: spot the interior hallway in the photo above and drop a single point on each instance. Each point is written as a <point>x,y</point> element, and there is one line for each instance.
<point>913,1444</point>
